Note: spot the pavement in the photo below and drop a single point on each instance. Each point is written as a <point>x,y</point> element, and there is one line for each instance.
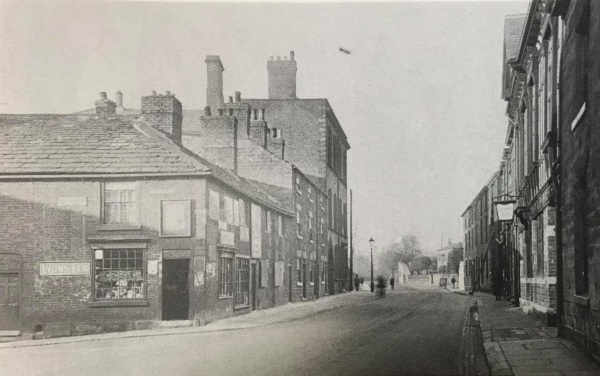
<point>259,318</point>
<point>518,344</point>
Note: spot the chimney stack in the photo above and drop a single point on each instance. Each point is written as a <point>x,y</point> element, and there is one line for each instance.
<point>214,82</point>
<point>216,140</point>
<point>259,130</point>
<point>119,98</point>
<point>282,77</point>
<point>238,97</point>
<point>105,106</point>
<point>164,112</point>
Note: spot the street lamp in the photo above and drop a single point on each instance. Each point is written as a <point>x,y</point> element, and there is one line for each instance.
<point>371,241</point>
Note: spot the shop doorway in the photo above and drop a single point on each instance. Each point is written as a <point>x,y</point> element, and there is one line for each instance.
<point>175,290</point>
<point>9,301</point>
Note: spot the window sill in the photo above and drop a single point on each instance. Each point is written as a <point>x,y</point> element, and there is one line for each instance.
<point>225,297</point>
<point>175,235</point>
<point>299,284</point>
<point>311,284</point>
<point>119,227</point>
<point>118,303</point>
<point>582,300</point>
<point>244,306</point>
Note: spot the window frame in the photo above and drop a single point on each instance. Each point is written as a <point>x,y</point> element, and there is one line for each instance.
<point>142,268</point>
<point>228,283</point>
<point>238,282</point>
<point>133,186</point>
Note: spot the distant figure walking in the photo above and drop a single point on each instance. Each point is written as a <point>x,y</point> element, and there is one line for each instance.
<point>453,280</point>
<point>392,282</point>
<point>356,282</point>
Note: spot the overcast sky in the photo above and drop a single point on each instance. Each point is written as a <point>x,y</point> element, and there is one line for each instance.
<point>418,97</point>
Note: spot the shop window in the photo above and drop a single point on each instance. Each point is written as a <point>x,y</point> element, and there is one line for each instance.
<point>299,271</point>
<point>225,276</point>
<point>119,274</point>
<point>120,203</point>
<point>242,281</point>
<point>311,272</point>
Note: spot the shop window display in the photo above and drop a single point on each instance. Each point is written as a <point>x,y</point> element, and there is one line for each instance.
<point>119,274</point>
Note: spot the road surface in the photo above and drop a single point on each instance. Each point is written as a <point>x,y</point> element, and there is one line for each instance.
<point>410,332</point>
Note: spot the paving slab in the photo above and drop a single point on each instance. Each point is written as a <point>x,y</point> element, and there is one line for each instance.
<point>519,344</point>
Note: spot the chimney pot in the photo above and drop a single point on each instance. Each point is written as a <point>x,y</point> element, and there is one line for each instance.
<point>207,111</point>
<point>103,95</point>
<point>220,112</point>
<point>238,97</point>
<point>230,99</point>
<point>291,55</point>
<point>154,93</point>
<point>168,93</point>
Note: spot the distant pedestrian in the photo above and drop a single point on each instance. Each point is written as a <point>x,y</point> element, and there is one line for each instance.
<point>356,282</point>
<point>453,280</point>
<point>392,282</point>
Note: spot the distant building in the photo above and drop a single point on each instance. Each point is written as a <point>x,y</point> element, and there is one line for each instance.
<point>443,254</point>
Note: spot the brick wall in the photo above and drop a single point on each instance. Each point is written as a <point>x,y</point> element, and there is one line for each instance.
<point>579,174</point>
<point>60,222</point>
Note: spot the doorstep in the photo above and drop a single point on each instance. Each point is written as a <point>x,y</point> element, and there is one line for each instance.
<point>155,324</point>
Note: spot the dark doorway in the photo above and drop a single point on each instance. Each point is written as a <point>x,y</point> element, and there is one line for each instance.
<point>175,291</point>
<point>304,278</point>
<point>289,283</point>
<point>253,281</point>
<point>9,301</point>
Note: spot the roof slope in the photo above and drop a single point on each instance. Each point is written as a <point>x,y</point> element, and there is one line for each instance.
<point>67,144</point>
<point>513,30</point>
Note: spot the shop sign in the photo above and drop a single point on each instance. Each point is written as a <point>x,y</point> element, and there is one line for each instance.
<point>64,268</point>
<point>227,238</point>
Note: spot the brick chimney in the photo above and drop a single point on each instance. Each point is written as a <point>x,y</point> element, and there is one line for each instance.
<point>105,106</point>
<point>214,82</point>
<point>276,143</point>
<point>242,111</point>
<point>282,77</point>
<point>164,112</point>
<point>258,128</point>
<point>216,140</point>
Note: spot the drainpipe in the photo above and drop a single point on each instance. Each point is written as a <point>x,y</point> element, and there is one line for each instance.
<point>555,172</point>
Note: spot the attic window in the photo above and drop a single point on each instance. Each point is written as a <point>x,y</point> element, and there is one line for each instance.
<point>275,133</point>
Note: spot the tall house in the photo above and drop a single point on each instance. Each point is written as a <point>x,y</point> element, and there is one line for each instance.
<point>315,142</point>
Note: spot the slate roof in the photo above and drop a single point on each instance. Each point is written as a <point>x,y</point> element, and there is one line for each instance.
<point>64,145</point>
<point>513,32</point>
